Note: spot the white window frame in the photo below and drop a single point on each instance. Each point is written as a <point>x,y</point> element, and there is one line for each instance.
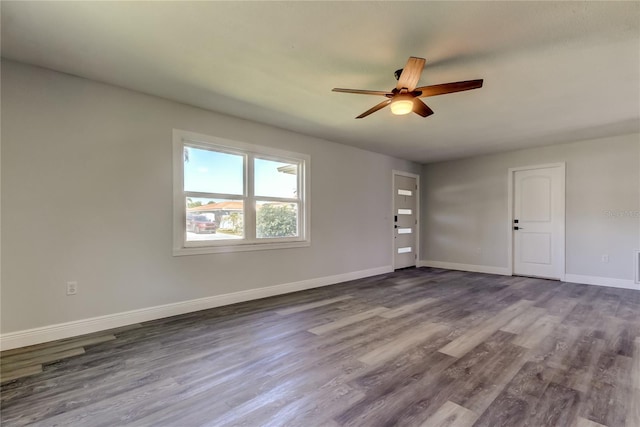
<point>250,152</point>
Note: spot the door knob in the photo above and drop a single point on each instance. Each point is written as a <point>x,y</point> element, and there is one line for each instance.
<point>518,228</point>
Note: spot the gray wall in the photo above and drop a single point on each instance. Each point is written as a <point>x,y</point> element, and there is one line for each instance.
<point>87,196</point>
<point>464,205</point>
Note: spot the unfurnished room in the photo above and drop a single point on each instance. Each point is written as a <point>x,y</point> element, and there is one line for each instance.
<point>315,213</point>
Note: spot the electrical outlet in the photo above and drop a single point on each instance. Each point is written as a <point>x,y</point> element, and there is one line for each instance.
<point>72,288</point>
<point>605,258</point>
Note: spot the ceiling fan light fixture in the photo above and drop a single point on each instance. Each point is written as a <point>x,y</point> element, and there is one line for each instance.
<point>402,106</point>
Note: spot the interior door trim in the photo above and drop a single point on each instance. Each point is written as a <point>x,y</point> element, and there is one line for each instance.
<point>395,173</point>
<point>510,198</point>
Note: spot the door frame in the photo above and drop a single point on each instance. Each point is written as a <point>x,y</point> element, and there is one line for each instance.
<point>510,198</point>
<point>395,173</point>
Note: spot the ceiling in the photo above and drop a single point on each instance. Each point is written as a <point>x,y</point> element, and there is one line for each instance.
<point>553,71</point>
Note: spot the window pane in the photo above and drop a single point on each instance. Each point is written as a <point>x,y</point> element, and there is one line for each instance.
<point>276,219</point>
<point>275,179</point>
<point>208,171</point>
<point>214,219</point>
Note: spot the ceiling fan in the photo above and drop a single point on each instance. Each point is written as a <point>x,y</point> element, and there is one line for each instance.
<point>404,98</point>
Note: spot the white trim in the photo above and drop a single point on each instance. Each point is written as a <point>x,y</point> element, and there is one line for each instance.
<point>203,250</point>
<point>601,281</point>
<point>503,271</point>
<point>510,190</point>
<point>395,172</point>
<point>636,266</point>
<point>569,278</point>
<point>95,324</point>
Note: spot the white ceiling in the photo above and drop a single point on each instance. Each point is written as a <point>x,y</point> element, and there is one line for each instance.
<point>553,71</point>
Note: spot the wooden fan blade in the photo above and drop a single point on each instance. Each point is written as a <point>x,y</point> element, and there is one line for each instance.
<point>374,109</point>
<point>421,109</point>
<point>363,92</point>
<point>411,73</point>
<point>449,88</point>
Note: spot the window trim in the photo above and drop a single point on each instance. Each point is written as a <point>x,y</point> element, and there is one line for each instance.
<point>250,152</point>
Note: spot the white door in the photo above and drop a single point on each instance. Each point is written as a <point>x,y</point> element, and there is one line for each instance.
<point>538,222</point>
<point>405,221</point>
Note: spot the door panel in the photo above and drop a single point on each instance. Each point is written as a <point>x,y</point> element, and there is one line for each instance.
<point>536,206</point>
<point>536,248</point>
<point>405,222</point>
<point>538,222</point>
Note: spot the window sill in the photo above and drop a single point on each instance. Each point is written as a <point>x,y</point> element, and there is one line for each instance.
<point>202,250</point>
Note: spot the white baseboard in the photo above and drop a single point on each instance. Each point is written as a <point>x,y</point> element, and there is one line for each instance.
<point>95,324</point>
<point>571,278</point>
<point>503,271</point>
<point>602,281</point>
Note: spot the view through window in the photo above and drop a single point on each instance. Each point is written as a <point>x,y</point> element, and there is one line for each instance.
<point>240,195</point>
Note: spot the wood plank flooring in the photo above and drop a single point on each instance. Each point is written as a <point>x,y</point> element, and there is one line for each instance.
<point>418,347</point>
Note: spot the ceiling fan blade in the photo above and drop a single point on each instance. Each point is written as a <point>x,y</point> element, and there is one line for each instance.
<point>374,109</point>
<point>449,88</point>
<point>421,109</point>
<point>363,92</point>
<point>411,73</point>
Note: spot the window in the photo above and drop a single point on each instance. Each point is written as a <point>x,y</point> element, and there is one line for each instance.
<point>233,196</point>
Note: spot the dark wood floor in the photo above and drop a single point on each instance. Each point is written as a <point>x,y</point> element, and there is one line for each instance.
<point>419,347</point>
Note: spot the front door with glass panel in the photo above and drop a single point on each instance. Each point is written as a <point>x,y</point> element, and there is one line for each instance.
<point>404,221</point>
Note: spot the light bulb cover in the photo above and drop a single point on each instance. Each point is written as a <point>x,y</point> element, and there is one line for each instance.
<point>402,105</point>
